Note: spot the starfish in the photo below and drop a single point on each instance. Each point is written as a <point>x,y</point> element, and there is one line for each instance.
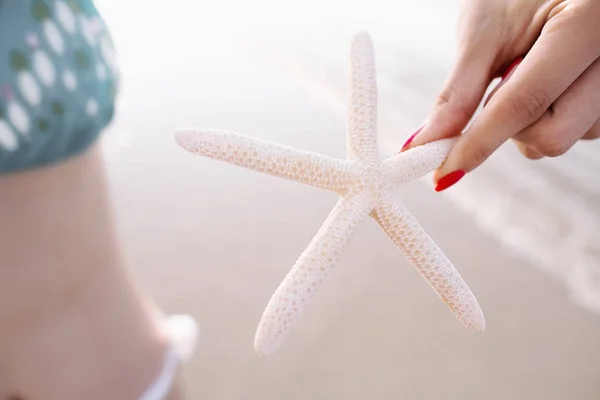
<point>365,184</point>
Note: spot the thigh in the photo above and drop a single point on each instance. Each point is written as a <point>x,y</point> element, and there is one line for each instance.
<point>58,80</point>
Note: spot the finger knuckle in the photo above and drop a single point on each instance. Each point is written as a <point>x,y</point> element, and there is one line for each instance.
<point>530,106</point>
<point>447,95</point>
<point>477,154</point>
<point>453,98</point>
<point>553,146</point>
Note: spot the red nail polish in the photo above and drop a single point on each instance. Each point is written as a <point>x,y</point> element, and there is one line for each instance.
<point>410,139</point>
<point>512,66</point>
<point>449,180</point>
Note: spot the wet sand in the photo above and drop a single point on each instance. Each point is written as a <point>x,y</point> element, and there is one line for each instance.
<point>215,240</point>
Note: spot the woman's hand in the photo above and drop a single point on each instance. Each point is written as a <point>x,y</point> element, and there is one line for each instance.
<point>546,102</point>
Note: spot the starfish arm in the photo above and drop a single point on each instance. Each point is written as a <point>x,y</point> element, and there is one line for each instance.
<point>417,162</point>
<point>268,157</point>
<point>302,282</point>
<point>362,100</point>
<point>420,249</point>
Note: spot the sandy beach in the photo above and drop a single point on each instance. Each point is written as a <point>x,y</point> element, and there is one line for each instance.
<point>214,240</point>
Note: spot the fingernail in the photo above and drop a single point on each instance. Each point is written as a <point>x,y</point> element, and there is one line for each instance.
<point>411,137</point>
<point>512,66</point>
<point>449,180</point>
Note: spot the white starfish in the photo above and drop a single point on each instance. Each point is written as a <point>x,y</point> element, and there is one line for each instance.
<point>365,185</point>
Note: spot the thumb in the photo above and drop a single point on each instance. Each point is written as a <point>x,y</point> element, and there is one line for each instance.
<point>459,99</point>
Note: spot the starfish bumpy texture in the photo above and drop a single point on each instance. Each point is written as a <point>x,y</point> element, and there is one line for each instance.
<point>365,184</point>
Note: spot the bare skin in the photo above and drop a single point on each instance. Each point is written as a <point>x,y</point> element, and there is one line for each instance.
<point>74,323</point>
<point>545,104</point>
